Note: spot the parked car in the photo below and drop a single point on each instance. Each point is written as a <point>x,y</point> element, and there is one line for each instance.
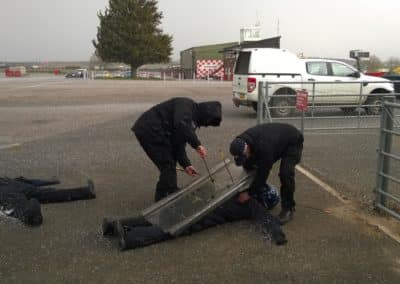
<point>395,78</point>
<point>256,65</point>
<point>102,75</point>
<point>78,73</point>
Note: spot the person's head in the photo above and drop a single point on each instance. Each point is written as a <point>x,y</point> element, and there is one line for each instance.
<point>209,114</point>
<point>32,214</point>
<point>239,150</point>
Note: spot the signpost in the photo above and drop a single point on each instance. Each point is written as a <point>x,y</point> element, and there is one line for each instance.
<point>302,105</point>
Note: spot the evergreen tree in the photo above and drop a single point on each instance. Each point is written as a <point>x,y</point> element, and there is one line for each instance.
<point>129,33</point>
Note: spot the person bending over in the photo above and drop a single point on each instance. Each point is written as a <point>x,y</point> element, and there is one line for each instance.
<point>259,147</point>
<point>163,132</point>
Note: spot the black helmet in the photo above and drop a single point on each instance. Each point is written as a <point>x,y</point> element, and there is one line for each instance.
<point>237,148</point>
<point>209,114</point>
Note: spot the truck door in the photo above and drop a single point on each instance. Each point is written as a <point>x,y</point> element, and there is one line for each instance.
<point>346,83</point>
<point>316,73</point>
<point>241,74</point>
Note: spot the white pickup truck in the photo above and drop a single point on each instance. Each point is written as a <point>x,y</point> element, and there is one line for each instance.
<point>279,65</point>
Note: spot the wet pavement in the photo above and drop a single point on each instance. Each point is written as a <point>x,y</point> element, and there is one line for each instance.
<point>79,129</point>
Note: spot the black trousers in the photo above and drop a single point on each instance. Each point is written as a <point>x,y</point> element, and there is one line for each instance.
<point>163,155</point>
<point>52,195</point>
<point>289,160</point>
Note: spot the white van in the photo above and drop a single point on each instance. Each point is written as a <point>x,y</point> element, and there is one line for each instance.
<point>279,65</point>
<point>264,64</point>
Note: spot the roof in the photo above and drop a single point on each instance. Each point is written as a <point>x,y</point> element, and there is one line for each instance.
<point>273,42</point>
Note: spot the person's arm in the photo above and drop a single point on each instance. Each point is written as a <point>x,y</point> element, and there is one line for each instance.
<point>183,123</point>
<point>182,157</point>
<point>184,161</point>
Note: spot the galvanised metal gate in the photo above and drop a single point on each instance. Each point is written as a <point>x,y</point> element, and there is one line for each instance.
<point>357,110</point>
<point>388,172</point>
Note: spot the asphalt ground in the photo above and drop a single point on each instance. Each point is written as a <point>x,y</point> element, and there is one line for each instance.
<point>78,129</point>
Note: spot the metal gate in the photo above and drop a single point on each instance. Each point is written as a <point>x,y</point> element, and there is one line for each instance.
<point>357,110</point>
<point>388,170</point>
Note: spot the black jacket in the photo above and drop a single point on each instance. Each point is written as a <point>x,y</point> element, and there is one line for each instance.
<point>268,143</point>
<point>15,201</point>
<point>175,121</point>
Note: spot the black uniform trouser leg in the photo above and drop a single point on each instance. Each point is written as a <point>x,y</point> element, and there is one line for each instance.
<point>49,195</point>
<point>287,174</point>
<point>162,156</point>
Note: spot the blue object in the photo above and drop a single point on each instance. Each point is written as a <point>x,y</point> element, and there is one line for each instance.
<point>269,196</point>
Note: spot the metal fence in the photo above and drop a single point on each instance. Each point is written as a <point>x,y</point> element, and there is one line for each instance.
<point>327,111</point>
<point>388,170</point>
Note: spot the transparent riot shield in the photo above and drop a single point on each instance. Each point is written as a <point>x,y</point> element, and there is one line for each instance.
<point>180,210</point>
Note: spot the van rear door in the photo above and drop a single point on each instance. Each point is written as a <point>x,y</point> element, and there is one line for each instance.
<point>241,73</point>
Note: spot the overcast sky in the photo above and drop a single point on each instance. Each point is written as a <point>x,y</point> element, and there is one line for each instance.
<point>41,30</point>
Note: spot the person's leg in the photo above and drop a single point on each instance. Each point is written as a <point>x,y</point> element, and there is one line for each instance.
<point>270,225</point>
<point>50,195</point>
<point>162,156</point>
<point>139,236</point>
<point>109,224</point>
<point>38,182</point>
<point>287,177</point>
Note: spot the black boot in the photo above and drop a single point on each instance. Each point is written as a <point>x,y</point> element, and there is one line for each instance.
<point>31,214</point>
<point>109,224</point>
<point>108,227</point>
<point>121,234</point>
<point>91,188</point>
<point>286,215</point>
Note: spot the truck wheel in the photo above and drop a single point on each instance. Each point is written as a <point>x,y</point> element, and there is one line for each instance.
<point>374,105</point>
<point>282,106</point>
<point>348,110</point>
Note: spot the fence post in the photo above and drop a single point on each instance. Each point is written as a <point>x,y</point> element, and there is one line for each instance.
<point>384,147</point>
<point>359,104</point>
<point>313,97</point>
<point>260,104</point>
<point>266,102</point>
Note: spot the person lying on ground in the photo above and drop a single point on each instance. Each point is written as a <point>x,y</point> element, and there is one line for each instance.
<point>134,232</point>
<point>21,197</point>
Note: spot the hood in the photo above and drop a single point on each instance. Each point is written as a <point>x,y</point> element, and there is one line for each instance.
<point>375,79</point>
<point>209,114</point>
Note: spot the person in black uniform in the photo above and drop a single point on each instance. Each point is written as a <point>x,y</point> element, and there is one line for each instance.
<point>21,197</point>
<point>163,132</point>
<point>260,147</point>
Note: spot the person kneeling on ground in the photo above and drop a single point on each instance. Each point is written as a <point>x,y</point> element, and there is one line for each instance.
<point>163,132</point>
<point>136,231</point>
<point>21,197</point>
